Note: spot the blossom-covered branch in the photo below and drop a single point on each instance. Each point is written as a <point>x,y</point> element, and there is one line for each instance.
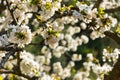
<point>11,12</point>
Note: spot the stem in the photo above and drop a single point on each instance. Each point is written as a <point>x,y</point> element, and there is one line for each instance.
<point>97,4</point>
<point>113,36</point>
<point>9,49</point>
<point>112,10</point>
<point>11,12</point>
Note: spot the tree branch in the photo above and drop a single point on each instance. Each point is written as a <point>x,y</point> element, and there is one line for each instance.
<point>6,72</point>
<point>113,36</point>
<point>9,49</point>
<point>97,4</point>
<point>2,7</point>
<point>115,73</point>
<point>11,12</point>
<point>112,10</point>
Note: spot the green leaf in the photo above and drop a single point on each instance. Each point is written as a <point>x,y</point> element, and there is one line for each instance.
<point>55,33</point>
<point>39,18</point>
<point>34,2</point>
<point>101,12</point>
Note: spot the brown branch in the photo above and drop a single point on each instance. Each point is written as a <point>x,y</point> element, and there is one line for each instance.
<point>18,63</point>
<point>112,10</point>
<point>113,36</point>
<point>97,4</point>
<point>115,73</point>
<point>2,7</point>
<point>9,49</point>
<point>6,72</point>
<point>11,12</point>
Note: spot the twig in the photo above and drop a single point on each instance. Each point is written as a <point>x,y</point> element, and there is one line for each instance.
<point>2,7</point>
<point>9,49</point>
<point>59,15</point>
<point>18,63</point>
<point>112,10</point>
<point>113,36</point>
<point>6,72</point>
<point>97,4</point>
<point>11,12</point>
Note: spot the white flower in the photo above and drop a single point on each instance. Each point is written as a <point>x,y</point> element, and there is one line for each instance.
<point>46,77</point>
<point>26,55</point>
<point>40,59</point>
<point>77,29</point>
<point>22,35</point>
<point>76,57</point>
<point>78,76</point>
<point>78,41</point>
<point>85,39</point>
<point>49,37</point>
<point>113,56</point>
<point>70,30</point>
<point>57,67</point>
<point>65,73</point>
<point>58,51</point>
<point>90,56</point>
<point>46,68</point>
<point>57,54</point>
<point>106,68</point>
<point>29,67</point>
<point>71,64</point>
<point>94,35</point>
<point>3,40</point>
<point>83,25</point>
<point>47,61</point>
<point>87,65</point>
<point>45,50</point>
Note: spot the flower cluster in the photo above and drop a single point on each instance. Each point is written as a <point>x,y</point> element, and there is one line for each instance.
<point>20,35</point>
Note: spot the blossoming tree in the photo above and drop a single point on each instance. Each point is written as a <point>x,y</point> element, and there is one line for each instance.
<point>55,30</point>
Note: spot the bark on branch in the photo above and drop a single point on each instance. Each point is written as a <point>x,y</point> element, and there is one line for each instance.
<point>113,36</point>
<point>112,10</point>
<point>97,4</point>
<point>11,12</point>
<point>115,73</point>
